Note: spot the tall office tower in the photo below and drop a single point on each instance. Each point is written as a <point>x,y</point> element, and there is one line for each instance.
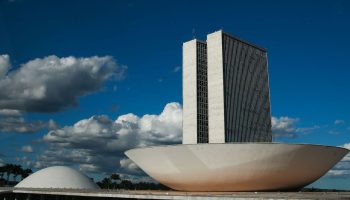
<point>226,94</point>
<point>195,93</point>
<point>238,90</point>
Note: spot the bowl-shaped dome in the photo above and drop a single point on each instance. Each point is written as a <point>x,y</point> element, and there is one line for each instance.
<point>57,177</point>
<point>236,166</point>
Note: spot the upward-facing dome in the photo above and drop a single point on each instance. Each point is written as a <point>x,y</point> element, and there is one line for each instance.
<point>57,177</point>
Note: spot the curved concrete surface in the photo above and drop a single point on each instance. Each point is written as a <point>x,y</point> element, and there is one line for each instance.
<point>236,166</point>
<point>57,177</point>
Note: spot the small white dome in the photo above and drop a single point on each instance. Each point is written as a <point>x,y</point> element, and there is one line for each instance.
<point>57,177</point>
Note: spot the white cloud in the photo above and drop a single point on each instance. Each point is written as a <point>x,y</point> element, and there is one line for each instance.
<point>27,149</point>
<point>176,69</point>
<point>347,146</point>
<point>25,161</point>
<point>10,113</point>
<point>5,65</point>
<point>88,168</point>
<point>307,129</point>
<point>2,162</point>
<point>51,125</point>
<point>347,157</point>
<point>129,165</point>
<point>338,173</point>
<point>342,168</point>
<point>137,178</point>
<point>18,124</point>
<point>97,144</point>
<point>51,83</point>
<point>163,128</point>
<point>333,132</point>
<point>286,127</point>
<point>12,121</point>
<point>339,121</point>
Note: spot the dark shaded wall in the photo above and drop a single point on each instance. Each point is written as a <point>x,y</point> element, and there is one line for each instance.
<point>246,92</point>
<point>202,93</point>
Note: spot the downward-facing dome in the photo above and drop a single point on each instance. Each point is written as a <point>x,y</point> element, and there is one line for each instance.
<point>236,166</point>
<point>57,177</point>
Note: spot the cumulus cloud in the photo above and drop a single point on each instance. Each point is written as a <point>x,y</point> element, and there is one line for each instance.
<point>51,83</point>
<point>287,127</point>
<point>12,121</point>
<point>339,121</point>
<point>27,149</point>
<point>51,125</point>
<point>18,124</point>
<point>129,165</point>
<point>136,178</point>
<point>5,65</point>
<point>25,161</point>
<point>284,126</point>
<point>97,144</point>
<point>10,113</point>
<point>342,168</point>
<point>347,146</point>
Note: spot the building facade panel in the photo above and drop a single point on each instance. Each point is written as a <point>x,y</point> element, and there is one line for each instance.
<point>246,92</point>
<point>216,107</point>
<point>202,93</point>
<point>189,92</point>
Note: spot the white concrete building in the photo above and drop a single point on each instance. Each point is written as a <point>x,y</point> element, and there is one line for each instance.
<point>57,177</point>
<point>236,166</point>
<point>226,96</point>
<point>195,92</point>
<point>226,105</point>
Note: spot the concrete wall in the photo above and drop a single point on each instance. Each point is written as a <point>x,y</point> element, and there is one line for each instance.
<point>189,92</point>
<point>215,88</point>
<point>236,166</point>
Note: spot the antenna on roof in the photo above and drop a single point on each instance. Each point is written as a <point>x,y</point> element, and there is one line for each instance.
<point>194,33</point>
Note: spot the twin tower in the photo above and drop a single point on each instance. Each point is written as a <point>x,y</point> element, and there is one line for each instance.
<point>226,95</point>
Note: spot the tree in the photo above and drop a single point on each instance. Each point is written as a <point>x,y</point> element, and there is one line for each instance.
<point>126,184</point>
<point>106,183</point>
<point>16,170</point>
<point>26,173</point>
<point>8,170</point>
<point>115,177</point>
<point>2,172</point>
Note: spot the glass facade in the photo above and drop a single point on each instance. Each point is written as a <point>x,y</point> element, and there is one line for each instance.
<point>246,92</point>
<point>202,93</point>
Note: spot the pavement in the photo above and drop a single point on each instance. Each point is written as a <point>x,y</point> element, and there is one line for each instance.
<point>177,195</point>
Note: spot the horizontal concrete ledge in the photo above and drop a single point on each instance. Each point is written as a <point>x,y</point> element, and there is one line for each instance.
<point>4,191</point>
<point>143,194</point>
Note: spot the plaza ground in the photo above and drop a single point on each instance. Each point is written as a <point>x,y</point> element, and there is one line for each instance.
<point>14,193</point>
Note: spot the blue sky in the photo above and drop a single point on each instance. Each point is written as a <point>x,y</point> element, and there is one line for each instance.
<point>308,52</point>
